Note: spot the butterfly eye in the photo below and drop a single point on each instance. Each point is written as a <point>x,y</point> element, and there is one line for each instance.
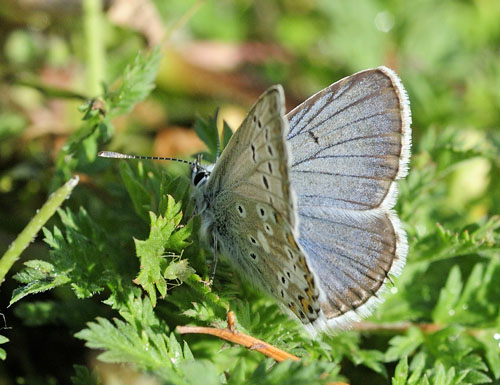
<point>199,176</point>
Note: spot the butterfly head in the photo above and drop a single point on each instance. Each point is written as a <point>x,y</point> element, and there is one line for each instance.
<point>199,175</point>
<point>199,178</point>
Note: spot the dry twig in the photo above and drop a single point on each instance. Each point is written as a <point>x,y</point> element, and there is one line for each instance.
<point>232,335</point>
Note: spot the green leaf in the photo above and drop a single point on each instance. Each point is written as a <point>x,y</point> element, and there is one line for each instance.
<point>38,276</point>
<point>84,377</point>
<point>475,281</point>
<point>199,373</point>
<point>403,346</point>
<point>443,244</point>
<point>450,358</point>
<point>449,296</point>
<point>208,132</point>
<point>476,377</point>
<point>137,83</point>
<point>370,358</point>
<point>227,133</point>
<point>3,353</point>
<point>289,372</point>
<point>238,373</point>
<point>31,230</point>
<point>417,367</point>
<point>188,355</point>
<point>141,197</point>
<point>142,340</point>
<point>165,233</point>
<point>441,377</point>
<point>179,189</point>
<point>475,370</point>
<point>470,305</point>
<point>178,270</point>
<point>173,216</point>
<point>76,259</point>
<point>36,270</point>
<point>490,342</point>
<point>401,373</point>
<point>121,341</point>
<point>197,301</point>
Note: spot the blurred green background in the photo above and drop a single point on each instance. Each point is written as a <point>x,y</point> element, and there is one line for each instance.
<point>224,53</point>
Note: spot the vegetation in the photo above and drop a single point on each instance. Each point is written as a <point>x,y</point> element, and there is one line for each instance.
<point>121,266</point>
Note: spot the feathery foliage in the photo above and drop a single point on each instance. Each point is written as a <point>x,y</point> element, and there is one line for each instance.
<point>126,266</point>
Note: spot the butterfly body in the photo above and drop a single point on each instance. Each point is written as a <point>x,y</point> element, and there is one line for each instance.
<point>303,209</point>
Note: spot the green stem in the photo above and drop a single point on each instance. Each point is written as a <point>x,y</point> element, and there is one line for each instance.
<point>31,230</point>
<point>94,45</point>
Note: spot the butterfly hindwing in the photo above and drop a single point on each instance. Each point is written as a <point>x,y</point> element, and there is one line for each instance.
<point>353,256</point>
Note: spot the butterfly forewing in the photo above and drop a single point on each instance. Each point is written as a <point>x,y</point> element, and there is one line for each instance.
<point>255,160</point>
<point>252,205</point>
<point>350,141</point>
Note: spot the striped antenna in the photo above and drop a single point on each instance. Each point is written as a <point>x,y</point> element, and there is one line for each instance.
<point>117,155</point>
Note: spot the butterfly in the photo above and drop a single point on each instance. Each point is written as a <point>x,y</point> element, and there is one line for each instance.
<point>302,203</point>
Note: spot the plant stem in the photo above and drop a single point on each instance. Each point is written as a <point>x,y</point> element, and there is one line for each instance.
<point>230,334</point>
<point>241,339</point>
<point>401,327</point>
<point>181,22</point>
<point>31,230</point>
<point>94,45</point>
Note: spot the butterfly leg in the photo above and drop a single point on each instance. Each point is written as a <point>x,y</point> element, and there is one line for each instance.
<point>214,263</point>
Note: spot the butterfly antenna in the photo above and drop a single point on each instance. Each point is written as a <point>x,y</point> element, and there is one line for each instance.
<point>214,262</point>
<point>117,155</point>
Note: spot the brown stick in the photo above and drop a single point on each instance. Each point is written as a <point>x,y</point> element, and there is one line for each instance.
<point>232,335</point>
<point>397,327</point>
<point>401,327</point>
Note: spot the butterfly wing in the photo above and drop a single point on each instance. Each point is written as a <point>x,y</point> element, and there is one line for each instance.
<point>253,210</point>
<point>350,142</point>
